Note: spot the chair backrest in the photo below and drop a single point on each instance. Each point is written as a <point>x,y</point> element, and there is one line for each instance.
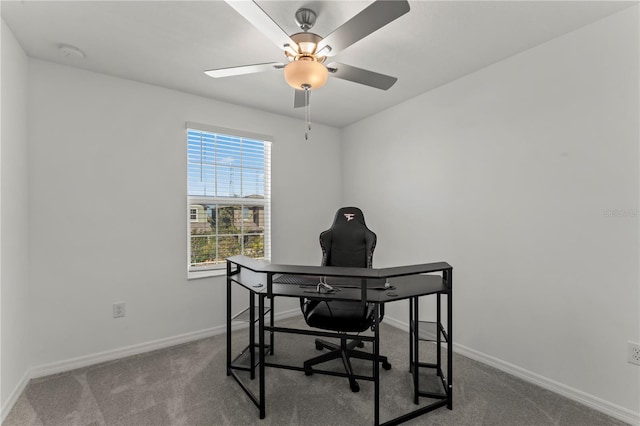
<point>348,242</point>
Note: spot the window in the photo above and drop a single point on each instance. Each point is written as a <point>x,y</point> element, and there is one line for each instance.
<point>228,178</point>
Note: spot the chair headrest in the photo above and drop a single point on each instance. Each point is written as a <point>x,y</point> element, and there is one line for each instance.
<point>349,214</point>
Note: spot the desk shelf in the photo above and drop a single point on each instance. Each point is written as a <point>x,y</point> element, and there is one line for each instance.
<point>430,369</point>
<point>432,386</point>
<point>243,361</point>
<point>427,332</point>
<point>244,315</point>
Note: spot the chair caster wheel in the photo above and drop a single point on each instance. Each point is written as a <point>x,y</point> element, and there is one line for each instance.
<point>360,344</point>
<point>319,346</point>
<point>308,372</point>
<point>386,365</point>
<point>355,387</point>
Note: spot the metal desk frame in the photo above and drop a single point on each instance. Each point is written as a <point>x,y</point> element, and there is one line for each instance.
<point>410,283</point>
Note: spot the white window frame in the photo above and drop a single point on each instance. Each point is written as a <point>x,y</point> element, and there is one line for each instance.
<point>193,273</point>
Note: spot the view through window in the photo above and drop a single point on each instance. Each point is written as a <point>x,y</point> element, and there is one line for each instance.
<point>228,198</point>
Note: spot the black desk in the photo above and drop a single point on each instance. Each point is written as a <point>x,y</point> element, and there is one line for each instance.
<point>268,281</point>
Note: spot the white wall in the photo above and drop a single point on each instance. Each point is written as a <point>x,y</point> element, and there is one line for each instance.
<point>15,349</point>
<point>508,174</point>
<point>108,208</point>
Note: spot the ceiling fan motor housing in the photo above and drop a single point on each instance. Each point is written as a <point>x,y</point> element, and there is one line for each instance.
<point>307,44</point>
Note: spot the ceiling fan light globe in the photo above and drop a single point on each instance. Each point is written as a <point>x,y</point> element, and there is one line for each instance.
<point>305,72</point>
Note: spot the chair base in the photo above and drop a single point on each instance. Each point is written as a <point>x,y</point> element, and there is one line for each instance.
<point>344,351</point>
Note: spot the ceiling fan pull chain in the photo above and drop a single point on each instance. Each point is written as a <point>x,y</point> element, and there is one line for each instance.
<point>307,92</point>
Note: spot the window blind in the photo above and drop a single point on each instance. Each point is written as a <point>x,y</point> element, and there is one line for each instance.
<point>229,195</point>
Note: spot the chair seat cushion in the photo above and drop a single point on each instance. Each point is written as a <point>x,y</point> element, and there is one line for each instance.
<point>338,315</point>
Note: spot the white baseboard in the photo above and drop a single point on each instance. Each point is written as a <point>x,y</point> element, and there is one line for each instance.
<point>577,395</point>
<point>584,398</point>
<point>13,398</point>
<point>110,355</point>
<point>397,324</point>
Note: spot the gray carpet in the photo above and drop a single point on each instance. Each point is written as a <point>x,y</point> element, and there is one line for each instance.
<point>187,385</point>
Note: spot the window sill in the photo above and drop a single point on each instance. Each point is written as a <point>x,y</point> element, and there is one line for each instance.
<point>206,274</point>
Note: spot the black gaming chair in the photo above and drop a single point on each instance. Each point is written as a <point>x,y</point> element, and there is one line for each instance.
<point>348,243</point>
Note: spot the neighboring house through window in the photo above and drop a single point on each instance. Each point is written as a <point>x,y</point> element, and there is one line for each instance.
<point>228,179</point>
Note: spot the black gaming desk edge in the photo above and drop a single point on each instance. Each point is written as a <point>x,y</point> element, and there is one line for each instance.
<point>335,271</point>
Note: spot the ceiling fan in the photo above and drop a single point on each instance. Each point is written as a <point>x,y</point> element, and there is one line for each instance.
<point>307,52</point>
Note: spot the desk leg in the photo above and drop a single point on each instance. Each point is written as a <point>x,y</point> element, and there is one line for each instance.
<point>228,320</point>
<point>416,351</point>
<point>411,332</point>
<point>271,333</point>
<point>252,333</point>
<point>261,354</point>
<point>450,342</point>
<point>438,334</point>
<point>376,364</point>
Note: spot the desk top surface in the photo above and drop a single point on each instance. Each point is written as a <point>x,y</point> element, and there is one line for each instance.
<point>335,271</point>
<point>348,283</point>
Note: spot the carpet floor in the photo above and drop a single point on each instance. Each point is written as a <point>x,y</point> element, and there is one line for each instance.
<point>187,385</point>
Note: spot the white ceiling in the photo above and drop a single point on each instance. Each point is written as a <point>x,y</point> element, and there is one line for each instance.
<point>171,43</point>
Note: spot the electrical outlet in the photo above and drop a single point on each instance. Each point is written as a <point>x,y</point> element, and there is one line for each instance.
<point>118,310</point>
<point>634,353</point>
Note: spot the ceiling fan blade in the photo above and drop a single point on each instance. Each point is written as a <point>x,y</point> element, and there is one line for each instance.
<point>373,17</point>
<point>244,69</point>
<point>253,13</point>
<point>358,75</point>
<point>299,100</point>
